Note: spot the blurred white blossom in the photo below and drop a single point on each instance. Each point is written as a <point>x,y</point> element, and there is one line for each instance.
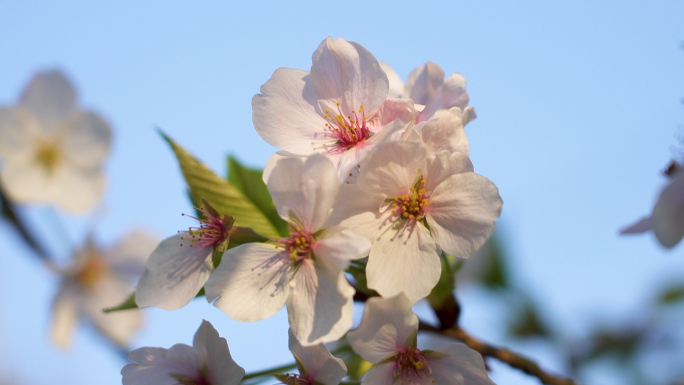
<point>51,150</point>
<point>98,279</point>
<point>315,364</point>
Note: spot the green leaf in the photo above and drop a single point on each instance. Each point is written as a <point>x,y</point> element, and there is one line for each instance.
<point>250,183</point>
<point>444,288</point>
<point>529,323</point>
<point>226,198</point>
<point>495,276</point>
<point>671,295</point>
<point>128,304</point>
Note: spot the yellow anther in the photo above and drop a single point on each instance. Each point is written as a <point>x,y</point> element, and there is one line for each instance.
<point>327,111</point>
<point>338,104</point>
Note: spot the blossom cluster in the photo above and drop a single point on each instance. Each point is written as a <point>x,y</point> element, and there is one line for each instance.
<point>371,171</point>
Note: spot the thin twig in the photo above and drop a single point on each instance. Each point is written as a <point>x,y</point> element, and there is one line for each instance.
<point>11,215</point>
<point>506,356</point>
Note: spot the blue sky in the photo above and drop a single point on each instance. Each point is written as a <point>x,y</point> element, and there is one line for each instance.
<point>578,103</point>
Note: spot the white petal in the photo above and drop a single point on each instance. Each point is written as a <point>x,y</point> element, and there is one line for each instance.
<point>118,326</point>
<point>387,326</point>
<point>347,73</point>
<point>87,139</point>
<point>641,226</point>
<point>252,281</point>
<point>319,364</point>
<point>359,210</point>
<point>392,168</point>
<point>382,374</point>
<point>16,139</point>
<point>286,115</point>
<point>394,109</point>
<point>444,131</point>
<point>460,366</point>
<point>64,315</point>
<point>77,189</point>
<point>396,85</point>
<point>405,258</point>
<point>129,256</point>
<point>50,98</point>
<point>221,369</point>
<point>27,182</point>
<point>668,214</point>
<point>320,304</point>
<point>442,165</point>
<point>338,245</point>
<point>273,160</point>
<point>305,189</point>
<point>175,273</point>
<point>157,365</point>
<point>461,213</point>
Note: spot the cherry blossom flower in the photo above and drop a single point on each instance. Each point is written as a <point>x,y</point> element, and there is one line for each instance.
<point>178,268</point>
<point>426,87</point>
<point>387,337</point>
<point>340,108</point>
<point>206,362</point>
<point>305,271</point>
<point>412,207</point>
<point>315,364</point>
<point>98,279</point>
<point>52,151</point>
<point>667,218</point>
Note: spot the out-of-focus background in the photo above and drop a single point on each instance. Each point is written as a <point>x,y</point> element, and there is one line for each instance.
<point>579,109</point>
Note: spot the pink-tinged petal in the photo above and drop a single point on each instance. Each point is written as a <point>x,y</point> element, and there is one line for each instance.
<point>668,214</point>
<point>251,283</point>
<point>442,165</point>
<point>221,369</point>
<point>87,140</point>
<point>396,85</point>
<point>320,366</point>
<point>404,258</point>
<point>320,304</point>
<point>394,109</point>
<point>347,73</point>
<point>338,245</point>
<point>358,210</point>
<point>387,326</point>
<point>175,272</point>
<point>467,114</point>
<point>392,168</point>
<point>444,131</point>
<point>286,115</point>
<point>450,94</point>
<point>423,82</point>
<point>641,226</point>
<point>462,212</point>
<point>158,366</point>
<point>50,98</point>
<point>77,189</point>
<point>305,189</point>
<point>458,365</point>
<point>383,374</point>
<point>64,315</point>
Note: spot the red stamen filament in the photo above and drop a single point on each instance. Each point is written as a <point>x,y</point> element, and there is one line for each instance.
<point>211,231</point>
<point>298,246</point>
<point>348,130</point>
<point>410,364</point>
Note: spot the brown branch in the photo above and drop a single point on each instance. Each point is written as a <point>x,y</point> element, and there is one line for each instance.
<point>8,211</point>
<point>506,356</point>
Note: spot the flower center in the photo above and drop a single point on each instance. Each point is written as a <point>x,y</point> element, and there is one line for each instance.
<point>194,381</point>
<point>293,379</point>
<point>412,365</point>
<point>348,130</point>
<point>48,156</point>
<point>212,230</point>
<point>91,272</point>
<point>412,205</point>
<point>298,245</point>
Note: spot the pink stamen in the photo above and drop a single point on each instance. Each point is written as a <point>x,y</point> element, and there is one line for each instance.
<point>298,245</point>
<point>294,379</point>
<point>412,206</point>
<point>411,365</point>
<point>212,230</point>
<point>348,130</point>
